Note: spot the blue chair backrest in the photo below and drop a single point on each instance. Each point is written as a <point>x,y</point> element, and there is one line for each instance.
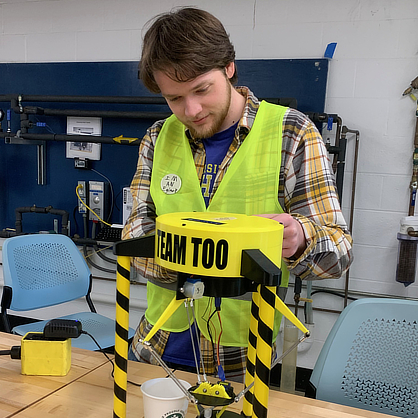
<point>370,358</point>
<point>44,270</point>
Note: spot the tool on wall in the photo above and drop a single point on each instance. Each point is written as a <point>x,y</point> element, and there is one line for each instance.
<point>217,255</point>
<point>408,234</point>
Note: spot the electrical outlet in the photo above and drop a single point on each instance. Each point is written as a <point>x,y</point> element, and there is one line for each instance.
<point>82,191</point>
<point>98,199</point>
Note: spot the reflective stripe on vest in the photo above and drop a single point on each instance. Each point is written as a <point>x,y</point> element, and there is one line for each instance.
<point>250,186</point>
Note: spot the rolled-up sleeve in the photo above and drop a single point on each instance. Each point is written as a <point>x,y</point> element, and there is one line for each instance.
<point>309,194</point>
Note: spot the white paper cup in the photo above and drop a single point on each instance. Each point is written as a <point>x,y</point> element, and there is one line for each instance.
<point>162,398</point>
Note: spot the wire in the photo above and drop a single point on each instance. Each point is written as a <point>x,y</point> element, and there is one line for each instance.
<point>219,337</point>
<point>208,325</point>
<point>98,251</point>
<point>75,220</point>
<point>116,199</point>
<point>44,125</point>
<point>199,346</point>
<point>331,292</point>
<point>14,352</point>
<point>210,335</point>
<point>104,257</point>
<point>111,192</point>
<point>111,361</point>
<point>85,225</point>
<point>192,339</point>
<point>134,383</point>
<point>93,264</point>
<point>100,349</point>
<point>91,210</point>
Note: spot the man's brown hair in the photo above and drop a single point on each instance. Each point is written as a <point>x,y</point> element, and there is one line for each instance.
<point>184,44</point>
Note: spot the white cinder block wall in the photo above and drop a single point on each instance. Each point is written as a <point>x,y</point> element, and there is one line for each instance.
<point>375,60</point>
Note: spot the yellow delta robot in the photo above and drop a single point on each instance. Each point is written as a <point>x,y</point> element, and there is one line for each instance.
<point>216,255</point>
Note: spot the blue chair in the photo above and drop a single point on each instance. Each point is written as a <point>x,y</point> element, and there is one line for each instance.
<point>370,358</point>
<point>43,270</point>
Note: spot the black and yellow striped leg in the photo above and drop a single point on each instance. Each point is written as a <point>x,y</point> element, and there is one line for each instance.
<point>259,352</point>
<point>267,298</point>
<point>247,408</point>
<point>121,337</point>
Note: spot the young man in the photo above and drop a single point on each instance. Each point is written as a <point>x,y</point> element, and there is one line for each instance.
<point>237,148</point>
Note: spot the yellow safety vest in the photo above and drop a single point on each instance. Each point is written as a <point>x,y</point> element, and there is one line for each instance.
<point>250,186</point>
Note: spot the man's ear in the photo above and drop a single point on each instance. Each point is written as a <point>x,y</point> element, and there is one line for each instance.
<point>230,70</point>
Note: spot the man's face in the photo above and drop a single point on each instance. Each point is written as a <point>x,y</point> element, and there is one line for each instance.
<point>201,104</point>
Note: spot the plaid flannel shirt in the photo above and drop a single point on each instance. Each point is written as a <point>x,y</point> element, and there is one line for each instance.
<point>307,191</point>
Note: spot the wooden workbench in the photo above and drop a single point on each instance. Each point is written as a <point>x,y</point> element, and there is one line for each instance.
<point>18,391</point>
<point>87,391</point>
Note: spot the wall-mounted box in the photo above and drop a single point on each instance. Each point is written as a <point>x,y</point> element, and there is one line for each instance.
<point>83,126</point>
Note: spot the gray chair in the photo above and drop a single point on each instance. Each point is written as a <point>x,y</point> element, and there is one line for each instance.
<point>370,358</point>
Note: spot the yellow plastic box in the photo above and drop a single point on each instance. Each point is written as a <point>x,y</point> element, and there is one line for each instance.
<point>45,357</point>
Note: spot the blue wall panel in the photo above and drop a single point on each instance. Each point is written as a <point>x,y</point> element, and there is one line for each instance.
<point>304,80</point>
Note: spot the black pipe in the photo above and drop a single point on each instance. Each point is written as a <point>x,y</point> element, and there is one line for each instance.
<point>339,152</point>
<point>16,101</point>
<point>34,209</point>
<point>345,130</point>
<point>83,99</point>
<point>339,123</point>
<point>34,110</point>
<point>72,138</point>
<point>24,120</point>
<point>316,117</point>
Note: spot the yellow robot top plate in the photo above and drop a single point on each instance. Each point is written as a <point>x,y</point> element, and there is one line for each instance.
<point>211,243</point>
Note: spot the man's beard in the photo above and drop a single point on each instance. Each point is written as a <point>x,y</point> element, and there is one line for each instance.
<point>207,132</point>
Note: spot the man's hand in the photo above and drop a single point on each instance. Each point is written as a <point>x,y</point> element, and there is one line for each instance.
<point>294,242</point>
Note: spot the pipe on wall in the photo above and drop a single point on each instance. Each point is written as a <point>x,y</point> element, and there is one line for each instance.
<point>18,98</point>
<point>35,209</point>
<point>25,138</point>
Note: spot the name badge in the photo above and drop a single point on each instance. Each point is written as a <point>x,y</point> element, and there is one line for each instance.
<point>171,183</point>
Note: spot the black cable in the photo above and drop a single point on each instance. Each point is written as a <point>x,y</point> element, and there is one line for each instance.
<point>103,256</point>
<point>211,338</point>
<point>14,352</point>
<point>332,292</point>
<point>208,328</point>
<point>93,264</point>
<point>135,384</point>
<point>93,230</point>
<point>111,361</point>
<point>75,221</point>
<point>98,252</point>
<point>100,349</point>
<point>116,199</point>
<point>85,225</point>
<point>112,198</point>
